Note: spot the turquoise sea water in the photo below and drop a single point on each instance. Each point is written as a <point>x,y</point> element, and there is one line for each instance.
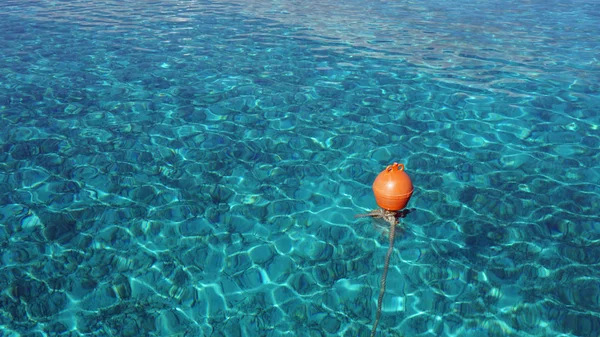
<point>193,168</point>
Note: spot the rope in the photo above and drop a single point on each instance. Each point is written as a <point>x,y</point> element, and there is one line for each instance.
<point>384,276</point>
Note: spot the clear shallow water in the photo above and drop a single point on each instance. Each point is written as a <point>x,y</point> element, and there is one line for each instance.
<point>193,168</point>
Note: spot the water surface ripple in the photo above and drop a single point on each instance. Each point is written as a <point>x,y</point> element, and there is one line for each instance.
<point>193,168</point>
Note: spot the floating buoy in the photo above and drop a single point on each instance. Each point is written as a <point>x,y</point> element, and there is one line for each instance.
<point>393,188</point>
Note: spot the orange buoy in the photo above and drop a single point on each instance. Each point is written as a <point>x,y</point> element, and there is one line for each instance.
<point>392,188</point>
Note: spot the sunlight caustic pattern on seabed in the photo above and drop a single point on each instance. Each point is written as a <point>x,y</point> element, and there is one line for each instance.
<point>193,168</point>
